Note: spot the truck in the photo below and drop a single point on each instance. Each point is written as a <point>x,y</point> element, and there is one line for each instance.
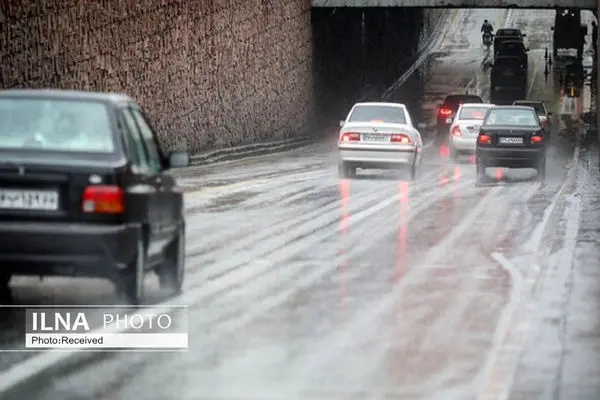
<point>567,31</point>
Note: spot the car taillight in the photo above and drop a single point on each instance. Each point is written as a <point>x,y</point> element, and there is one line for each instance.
<point>445,112</point>
<point>456,131</point>
<point>536,139</point>
<point>350,137</point>
<point>103,199</point>
<point>400,138</point>
<point>484,139</point>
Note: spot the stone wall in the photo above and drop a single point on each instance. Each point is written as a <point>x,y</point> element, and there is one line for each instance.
<point>210,73</point>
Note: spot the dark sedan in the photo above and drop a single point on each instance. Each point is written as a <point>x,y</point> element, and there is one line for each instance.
<point>84,192</point>
<point>511,137</point>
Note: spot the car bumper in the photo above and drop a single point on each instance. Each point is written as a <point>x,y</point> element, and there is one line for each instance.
<point>463,144</point>
<point>510,158</point>
<point>67,249</point>
<point>378,157</point>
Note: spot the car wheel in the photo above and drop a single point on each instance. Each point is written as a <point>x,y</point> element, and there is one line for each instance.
<point>454,154</point>
<point>346,170</point>
<point>541,170</point>
<point>480,171</point>
<point>5,292</point>
<point>172,273</point>
<point>415,170</point>
<point>133,280</point>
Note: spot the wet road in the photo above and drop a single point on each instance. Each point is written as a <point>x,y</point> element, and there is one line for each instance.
<point>305,286</point>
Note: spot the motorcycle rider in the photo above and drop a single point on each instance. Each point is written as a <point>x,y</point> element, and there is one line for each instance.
<point>486,28</point>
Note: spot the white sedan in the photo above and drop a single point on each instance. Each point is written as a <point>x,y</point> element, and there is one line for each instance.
<point>465,128</point>
<point>379,136</point>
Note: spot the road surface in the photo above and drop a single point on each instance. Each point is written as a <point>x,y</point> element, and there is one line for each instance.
<point>302,285</point>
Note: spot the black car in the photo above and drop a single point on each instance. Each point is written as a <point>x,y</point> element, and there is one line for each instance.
<point>511,137</point>
<point>508,72</point>
<point>506,34</point>
<point>515,49</point>
<point>448,108</point>
<point>84,192</point>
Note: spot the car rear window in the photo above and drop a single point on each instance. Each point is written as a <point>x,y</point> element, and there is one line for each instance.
<point>384,114</point>
<point>512,117</point>
<point>55,125</point>
<point>473,112</point>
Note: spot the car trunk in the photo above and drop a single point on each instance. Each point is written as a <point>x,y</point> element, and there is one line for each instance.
<point>33,191</point>
<point>510,136</point>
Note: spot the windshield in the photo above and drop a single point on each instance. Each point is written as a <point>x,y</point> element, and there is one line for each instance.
<point>55,125</point>
<point>473,113</point>
<point>384,114</point>
<point>511,116</point>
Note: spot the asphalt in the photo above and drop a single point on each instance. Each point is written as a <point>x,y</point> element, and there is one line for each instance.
<point>302,285</point>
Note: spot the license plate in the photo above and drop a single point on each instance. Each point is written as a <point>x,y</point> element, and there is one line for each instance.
<point>510,140</point>
<point>509,73</point>
<point>375,138</point>
<point>473,129</point>
<point>45,200</point>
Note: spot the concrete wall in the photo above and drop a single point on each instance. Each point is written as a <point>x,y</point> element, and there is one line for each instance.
<point>587,4</point>
<point>211,73</point>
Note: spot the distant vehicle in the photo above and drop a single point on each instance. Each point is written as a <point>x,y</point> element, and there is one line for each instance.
<point>508,72</point>
<point>487,40</point>
<point>465,127</point>
<point>379,136</point>
<point>85,192</point>
<point>448,108</point>
<point>506,34</point>
<point>540,109</point>
<point>566,31</point>
<point>513,48</point>
<point>511,137</point>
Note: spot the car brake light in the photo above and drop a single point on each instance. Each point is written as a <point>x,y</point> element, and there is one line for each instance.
<point>536,139</point>
<point>445,112</point>
<point>400,138</point>
<point>484,139</point>
<point>103,199</point>
<point>456,131</point>
<point>350,137</point>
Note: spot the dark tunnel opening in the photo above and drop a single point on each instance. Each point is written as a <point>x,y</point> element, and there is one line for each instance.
<point>359,52</point>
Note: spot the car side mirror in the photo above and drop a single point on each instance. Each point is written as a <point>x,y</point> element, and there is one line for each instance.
<point>342,124</point>
<point>523,34</point>
<point>527,49</point>
<point>549,114</point>
<point>551,28</point>
<point>421,125</point>
<point>179,159</point>
<point>439,105</point>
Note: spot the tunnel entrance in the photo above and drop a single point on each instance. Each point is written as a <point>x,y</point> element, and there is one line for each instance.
<point>359,53</point>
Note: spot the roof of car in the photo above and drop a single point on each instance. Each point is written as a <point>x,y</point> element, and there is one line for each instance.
<point>376,103</point>
<point>477,105</point>
<point>513,107</point>
<point>508,31</point>
<point>66,94</point>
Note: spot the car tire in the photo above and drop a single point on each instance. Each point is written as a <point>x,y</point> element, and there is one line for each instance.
<point>541,171</point>
<point>480,171</point>
<point>171,274</point>
<point>415,170</point>
<point>454,154</point>
<point>346,170</point>
<point>5,292</point>
<point>133,280</point>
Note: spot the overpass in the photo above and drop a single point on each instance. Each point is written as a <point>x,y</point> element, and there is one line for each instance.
<point>584,4</point>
